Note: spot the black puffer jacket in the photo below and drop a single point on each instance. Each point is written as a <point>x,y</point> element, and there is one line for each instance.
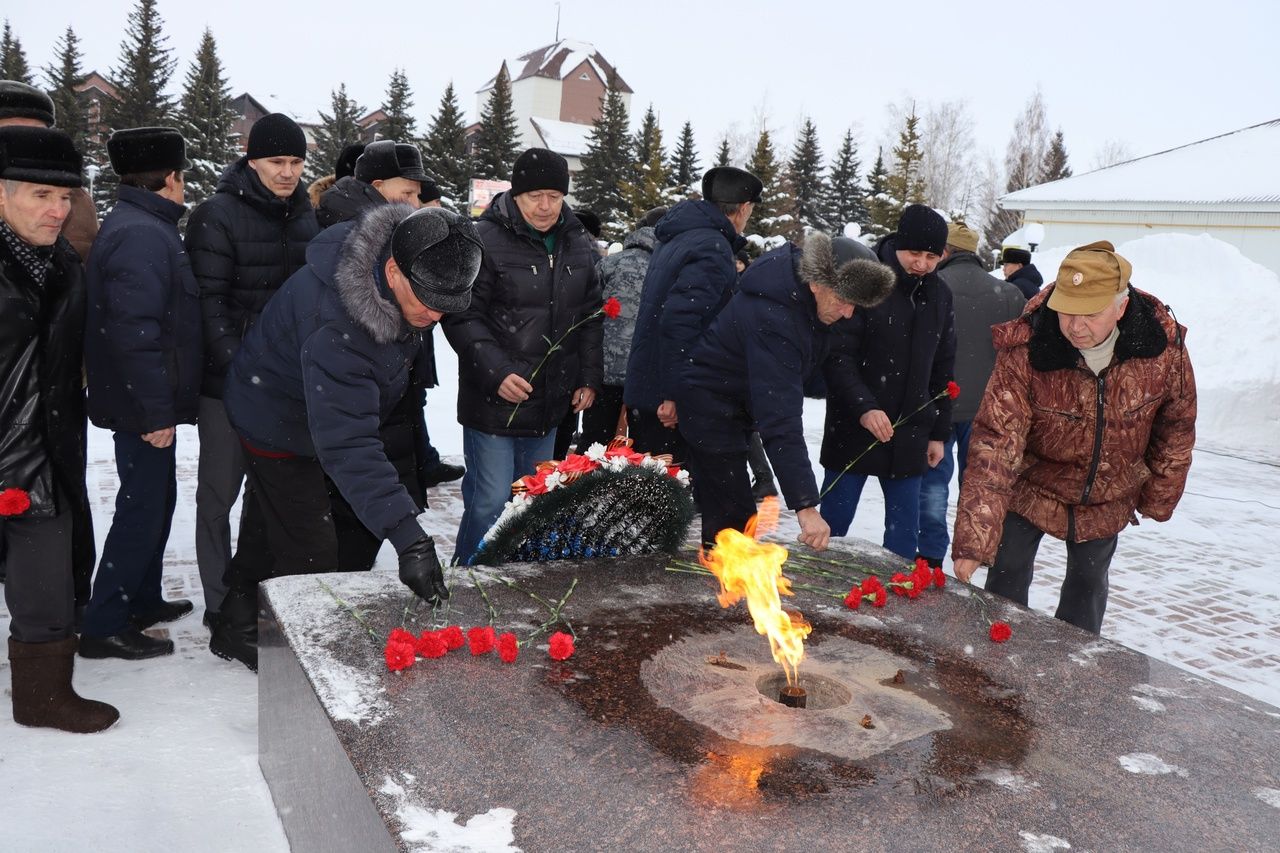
<point>42,414</point>
<point>243,242</point>
<point>895,357</point>
<point>346,199</point>
<point>142,339</point>
<point>522,299</point>
<point>1027,279</point>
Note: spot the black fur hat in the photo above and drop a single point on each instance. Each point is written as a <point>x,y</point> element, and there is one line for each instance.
<point>440,252</point>
<point>540,169</point>
<point>346,165</point>
<point>589,221</point>
<point>430,192</point>
<point>731,185</point>
<point>18,100</point>
<point>146,149</point>
<point>847,267</point>
<point>409,158</point>
<point>276,135</point>
<point>39,155</point>
<point>1015,256</point>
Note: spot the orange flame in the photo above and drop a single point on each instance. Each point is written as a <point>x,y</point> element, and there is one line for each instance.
<point>748,568</point>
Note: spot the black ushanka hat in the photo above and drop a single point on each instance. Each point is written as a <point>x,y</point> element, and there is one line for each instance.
<point>147,149</point>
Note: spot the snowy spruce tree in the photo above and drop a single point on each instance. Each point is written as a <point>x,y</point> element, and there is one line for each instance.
<point>649,186</point>
<point>882,209</point>
<point>1055,166</point>
<point>444,153</point>
<point>13,59</point>
<point>143,73</point>
<point>772,215</point>
<point>607,162</point>
<point>63,75</point>
<point>205,117</point>
<point>906,179</point>
<point>497,143</point>
<point>804,179</point>
<point>338,128</point>
<point>724,156</point>
<point>683,165</point>
<point>844,199</point>
<point>399,125</point>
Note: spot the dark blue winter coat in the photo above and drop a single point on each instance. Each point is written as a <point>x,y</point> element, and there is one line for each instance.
<point>896,357</point>
<point>1027,279</point>
<point>690,278</point>
<point>748,372</point>
<point>325,366</point>
<point>142,341</point>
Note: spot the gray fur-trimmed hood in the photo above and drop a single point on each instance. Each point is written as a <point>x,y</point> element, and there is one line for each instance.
<point>356,276</point>
<point>860,281</point>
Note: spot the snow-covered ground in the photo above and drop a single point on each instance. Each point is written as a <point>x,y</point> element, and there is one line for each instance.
<point>179,772</point>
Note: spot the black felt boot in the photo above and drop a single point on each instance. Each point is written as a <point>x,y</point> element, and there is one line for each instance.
<point>42,693</point>
<point>234,635</point>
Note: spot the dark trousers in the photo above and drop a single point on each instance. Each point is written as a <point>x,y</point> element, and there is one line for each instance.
<point>564,433</point>
<point>722,488</point>
<point>38,589</point>
<point>600,422</point>
<point>128,578</point>
<point>218,480</point>
<point>293,522</point>
<point>648,435</point>
<point>1084,591</point>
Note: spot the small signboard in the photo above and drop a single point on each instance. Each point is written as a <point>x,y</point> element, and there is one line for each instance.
<point>483,191</point>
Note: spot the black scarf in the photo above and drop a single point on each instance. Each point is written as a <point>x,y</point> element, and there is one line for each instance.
<point>36,260</point>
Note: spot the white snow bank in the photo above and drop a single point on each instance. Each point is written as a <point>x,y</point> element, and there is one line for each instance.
<point>1231,308</point>
<point>438,831</point>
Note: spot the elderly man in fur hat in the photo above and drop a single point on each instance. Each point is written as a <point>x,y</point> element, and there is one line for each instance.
<point>309,394</point>
<point>748,371</point>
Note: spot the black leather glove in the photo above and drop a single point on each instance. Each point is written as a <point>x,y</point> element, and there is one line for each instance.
<point>420,570</point>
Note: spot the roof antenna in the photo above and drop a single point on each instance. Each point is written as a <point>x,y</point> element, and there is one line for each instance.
<point>557,23</point>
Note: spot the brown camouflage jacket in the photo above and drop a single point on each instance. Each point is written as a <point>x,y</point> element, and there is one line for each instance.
<point>1074,453</point>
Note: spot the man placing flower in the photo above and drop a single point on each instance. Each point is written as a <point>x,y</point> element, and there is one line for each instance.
<point>529,347</point>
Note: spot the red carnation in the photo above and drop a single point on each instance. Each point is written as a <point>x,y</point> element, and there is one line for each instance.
<point>673,470</point>
<point>899,583</point>
<point>1000,631</point>
<point>400,635</point>
<point>853,599</point>
<point>611,308</point>
<point>953,390</point>
<point>508,647</point>
<point>14,502</point>
<point>881,596</point>
<point>939,577</point>
<point>452,636</point>
<point>922,563</point>
<point>921,579</point>
<point>398,654</point>
<point>481,640</point>
<point>561,646</point>
<point>871,584</point>
<point>432,645</point>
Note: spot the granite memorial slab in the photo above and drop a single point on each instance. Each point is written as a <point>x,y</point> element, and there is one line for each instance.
<point>664,731</point>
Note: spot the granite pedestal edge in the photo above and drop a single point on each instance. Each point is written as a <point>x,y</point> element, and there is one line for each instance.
<point>1056,736</point>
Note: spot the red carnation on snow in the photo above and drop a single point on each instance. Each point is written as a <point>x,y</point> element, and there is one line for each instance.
<point>854,598</point>
<point>953,390</point>
<point>1000,631</point>
<point>399,654</point>
<point>561,646</point>
<point>14,502</point>
<point>432,645</point>
<point>481,640</point>
<point>508,647</point>
<point>611,308</point>
<point>452,636</point>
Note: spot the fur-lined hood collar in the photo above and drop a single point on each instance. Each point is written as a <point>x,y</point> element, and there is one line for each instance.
<point>358,274</point>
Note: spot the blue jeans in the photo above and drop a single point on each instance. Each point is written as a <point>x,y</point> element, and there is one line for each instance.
<point>493,462</point>
<point>901,508</point>
<point>960,434</point>
<point>935,485</point>
<point>128,579</point>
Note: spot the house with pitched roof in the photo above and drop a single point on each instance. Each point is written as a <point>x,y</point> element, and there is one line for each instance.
<point>1226,186</point>
<point>556,93</point>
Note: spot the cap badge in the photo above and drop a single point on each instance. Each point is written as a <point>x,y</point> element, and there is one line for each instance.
<point>1077,278</point>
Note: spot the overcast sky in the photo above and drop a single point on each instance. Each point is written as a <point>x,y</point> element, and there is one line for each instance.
<point>1150,77</point>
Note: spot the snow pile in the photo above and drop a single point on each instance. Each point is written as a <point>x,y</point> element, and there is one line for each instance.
<point>1231,308</point>
<point>430,830</point>
<point>1146,764</point>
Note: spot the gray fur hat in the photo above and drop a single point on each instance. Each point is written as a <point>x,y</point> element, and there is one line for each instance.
<point>847,267</point>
